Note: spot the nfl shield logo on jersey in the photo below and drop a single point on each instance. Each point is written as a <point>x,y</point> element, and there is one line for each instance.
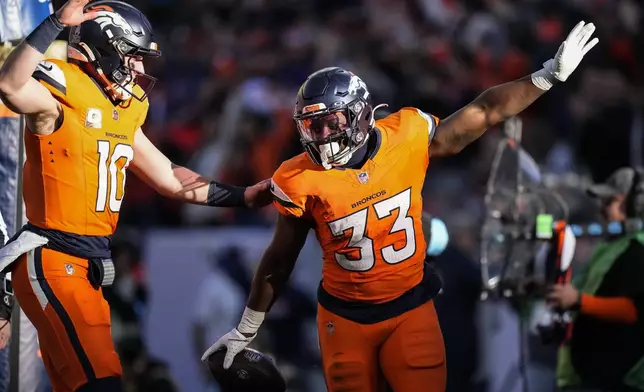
<point>363,177</point>
<point>94,119</point>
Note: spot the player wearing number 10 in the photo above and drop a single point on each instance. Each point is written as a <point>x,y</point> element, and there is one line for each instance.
<point>83,133</point>
<point>358,186</point>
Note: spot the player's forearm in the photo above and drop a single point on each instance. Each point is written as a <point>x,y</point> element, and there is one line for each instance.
<point>507,100</point>
<point>492,107</point>
<point>22,62</point>
<point>270,280</point>
<point>187,186</point>
<point>190,187</point>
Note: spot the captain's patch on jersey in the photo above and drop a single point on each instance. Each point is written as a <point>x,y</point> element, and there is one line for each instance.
<point>94,119</point>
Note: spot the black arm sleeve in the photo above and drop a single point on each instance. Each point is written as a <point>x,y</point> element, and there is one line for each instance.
<point>222,195</point>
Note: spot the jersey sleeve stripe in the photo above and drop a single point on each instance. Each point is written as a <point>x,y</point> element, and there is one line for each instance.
<point>41,76</point>
<point>281,196</point>
<point>51,74</point>
<point>286,204</point>
<point>431,124</point>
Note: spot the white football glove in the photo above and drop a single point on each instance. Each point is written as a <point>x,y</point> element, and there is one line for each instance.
<point>568,57</point>
<point>234,342</point>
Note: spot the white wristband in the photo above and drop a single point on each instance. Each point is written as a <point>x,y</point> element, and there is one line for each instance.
<point>543,79</point>
<point>250,322</point>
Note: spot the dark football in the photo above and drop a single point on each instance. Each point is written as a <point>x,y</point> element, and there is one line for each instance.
<point>251,371</point>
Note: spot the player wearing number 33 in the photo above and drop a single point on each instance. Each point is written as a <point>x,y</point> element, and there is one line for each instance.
<point>83,132</point>
<point>358,186</point>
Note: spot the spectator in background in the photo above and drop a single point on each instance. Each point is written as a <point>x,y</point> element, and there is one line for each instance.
<point>606,349</point>
<point>220,297</point>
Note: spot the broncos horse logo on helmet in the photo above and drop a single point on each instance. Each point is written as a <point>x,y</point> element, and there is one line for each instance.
<point>325,96</point>
<point>107,46</point>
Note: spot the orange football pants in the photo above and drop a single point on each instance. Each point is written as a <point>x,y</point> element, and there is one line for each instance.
<point>71,317</point>
<point>407,352</point>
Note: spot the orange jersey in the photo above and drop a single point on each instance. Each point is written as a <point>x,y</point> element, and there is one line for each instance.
<point>74,178</point>
<point>368,220</point>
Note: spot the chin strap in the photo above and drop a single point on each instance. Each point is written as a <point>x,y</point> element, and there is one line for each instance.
<point>87,56</point>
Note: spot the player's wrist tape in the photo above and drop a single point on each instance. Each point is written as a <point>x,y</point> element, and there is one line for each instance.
<point>222,195</point>
<point>251,321</point>
<point>543,79</point>
<point>45,33</point>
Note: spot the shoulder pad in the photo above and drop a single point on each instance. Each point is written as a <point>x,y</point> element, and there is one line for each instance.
<point>51,74</point>
<point>289,188</point>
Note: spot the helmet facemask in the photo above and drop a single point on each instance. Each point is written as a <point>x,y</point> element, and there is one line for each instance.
<point>331,135</point>
<point>119,69</point>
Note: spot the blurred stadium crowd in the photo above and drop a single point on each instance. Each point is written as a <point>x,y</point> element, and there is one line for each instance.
<point>230,70</point>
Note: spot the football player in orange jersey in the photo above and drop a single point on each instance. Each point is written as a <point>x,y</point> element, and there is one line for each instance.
<point>83,131</point>
<point>358,186</point>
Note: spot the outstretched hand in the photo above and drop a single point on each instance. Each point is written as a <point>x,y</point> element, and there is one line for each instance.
<point>259,195</point>
<point>72,13</point>
<point>572,51</point>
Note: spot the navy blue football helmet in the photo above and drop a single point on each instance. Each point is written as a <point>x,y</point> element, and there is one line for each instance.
<point>334,116</point>
<point>102,45</point>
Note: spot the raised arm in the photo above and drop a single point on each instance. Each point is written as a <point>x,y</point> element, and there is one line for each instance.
<point>180,183</point>
<point>18,90</point>
<point>501,102</point>
<point>270,280</point>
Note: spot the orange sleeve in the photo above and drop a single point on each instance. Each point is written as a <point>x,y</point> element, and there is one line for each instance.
<point>288,195</point>
<point>617,309</point>
<point>418,129</point>
<point>54,74</point>
<point>423,125</point>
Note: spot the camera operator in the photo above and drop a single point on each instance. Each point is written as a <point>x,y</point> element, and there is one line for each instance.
<point>605,349</point>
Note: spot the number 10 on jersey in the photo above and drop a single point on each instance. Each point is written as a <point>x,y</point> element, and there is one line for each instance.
<point>357,223</point>
<point>111,174</point>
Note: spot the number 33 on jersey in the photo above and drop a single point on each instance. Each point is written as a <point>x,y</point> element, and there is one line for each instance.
<point>74,178</point>
<point>368,220</point>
